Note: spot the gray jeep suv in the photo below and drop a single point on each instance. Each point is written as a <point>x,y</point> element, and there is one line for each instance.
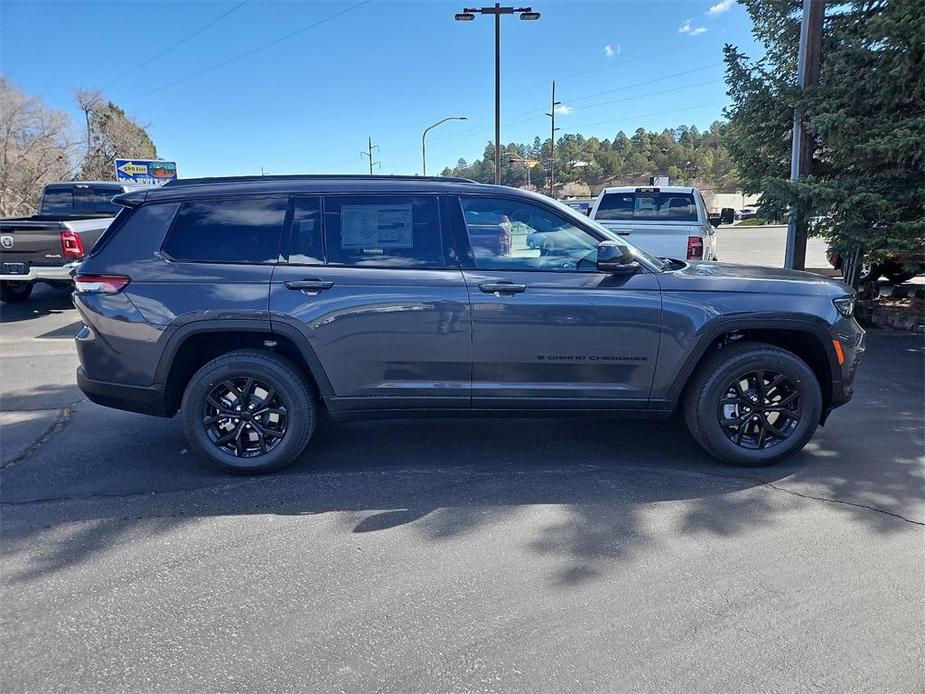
<point>254,304</point>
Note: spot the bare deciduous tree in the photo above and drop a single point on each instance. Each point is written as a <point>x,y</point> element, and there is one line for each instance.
<point>36,147</point>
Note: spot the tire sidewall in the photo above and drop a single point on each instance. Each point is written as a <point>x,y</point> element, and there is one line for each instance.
<point>15,291</point>
<point>300,414</point>
<point>796,371</point>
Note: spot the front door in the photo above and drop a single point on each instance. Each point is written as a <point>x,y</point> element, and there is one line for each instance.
<point>375,288</point>
<point>548,329</point>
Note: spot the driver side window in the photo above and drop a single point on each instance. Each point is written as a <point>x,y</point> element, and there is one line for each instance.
<point>509,234</point>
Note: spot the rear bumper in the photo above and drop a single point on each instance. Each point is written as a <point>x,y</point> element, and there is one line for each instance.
<point>39,273</point>
<point>142,399</point>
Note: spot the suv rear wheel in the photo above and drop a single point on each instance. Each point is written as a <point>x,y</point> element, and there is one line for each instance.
<point>753,404</point>
<point>248,412</point>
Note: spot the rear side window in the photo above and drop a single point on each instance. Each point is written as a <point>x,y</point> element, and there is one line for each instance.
<point>400,231</point>
<point>654,206</point>
<point>239,230</point>
<point>145,222</point>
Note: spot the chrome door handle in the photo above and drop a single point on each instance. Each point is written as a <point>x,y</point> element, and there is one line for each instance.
<point>310,286</point>
<point>502,287</point>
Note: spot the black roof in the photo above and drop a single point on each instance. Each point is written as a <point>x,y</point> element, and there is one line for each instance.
<point>186,188</point>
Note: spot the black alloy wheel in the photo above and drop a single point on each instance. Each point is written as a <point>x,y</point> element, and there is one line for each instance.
<point>245,417</point>
<point>759,410</point>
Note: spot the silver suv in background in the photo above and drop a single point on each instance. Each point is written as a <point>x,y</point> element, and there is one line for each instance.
<point>666,221</point>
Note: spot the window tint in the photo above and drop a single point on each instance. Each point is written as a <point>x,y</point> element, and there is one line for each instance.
<point>656,206</point>
<point>383,231</point>
<point>243,230</point>
<point>133,225</point>
<point>305,242</point>
<point>518,235</point>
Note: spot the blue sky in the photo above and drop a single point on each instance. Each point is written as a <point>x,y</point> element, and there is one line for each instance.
<point>383,69</point>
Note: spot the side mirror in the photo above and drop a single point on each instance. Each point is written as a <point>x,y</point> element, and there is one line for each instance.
<point>727,216</point>
<point>616,258</point>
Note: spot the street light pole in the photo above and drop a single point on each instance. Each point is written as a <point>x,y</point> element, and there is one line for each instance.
<point>552,142</point>
<point>424,135</point>
<point>467,15</point>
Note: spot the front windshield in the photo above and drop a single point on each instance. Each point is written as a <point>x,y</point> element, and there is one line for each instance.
<point>656,263</point>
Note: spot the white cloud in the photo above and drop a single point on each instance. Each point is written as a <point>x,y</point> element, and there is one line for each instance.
<point>689,28</point>
<point>564,110</point>
<point>611,51</point>
<point>720,7</point>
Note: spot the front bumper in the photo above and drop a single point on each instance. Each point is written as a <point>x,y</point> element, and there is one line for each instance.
<point>43,273</point>
<point>851,337</point>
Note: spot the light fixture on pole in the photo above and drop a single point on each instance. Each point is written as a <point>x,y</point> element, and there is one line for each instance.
<point>424,135</point>
<point>467,15</point>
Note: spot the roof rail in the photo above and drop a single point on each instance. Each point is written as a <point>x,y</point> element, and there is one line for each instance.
<point>310,177</point>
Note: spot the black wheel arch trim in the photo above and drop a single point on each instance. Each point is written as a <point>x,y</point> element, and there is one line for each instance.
<point>714,330</point>
<point>175,339</point>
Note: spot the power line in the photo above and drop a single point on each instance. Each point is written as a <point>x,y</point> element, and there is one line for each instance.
<point>178,43</point>
<point>255,50</point>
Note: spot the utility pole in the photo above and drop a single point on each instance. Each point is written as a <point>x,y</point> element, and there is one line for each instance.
<point>369,154</point>
<point>552,142</point>
<point>801,153</point>
<point>467,15</point>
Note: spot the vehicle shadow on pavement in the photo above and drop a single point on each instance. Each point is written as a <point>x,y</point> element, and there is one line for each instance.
<point>44,300</point>
<point>109,479</point>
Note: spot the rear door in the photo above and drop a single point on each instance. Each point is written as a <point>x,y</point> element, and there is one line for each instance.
<point>655,221</point>
<point>548,329</point>
<point>373,284</point>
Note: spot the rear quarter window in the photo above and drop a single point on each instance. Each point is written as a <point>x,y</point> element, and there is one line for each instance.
<point>239,230</point>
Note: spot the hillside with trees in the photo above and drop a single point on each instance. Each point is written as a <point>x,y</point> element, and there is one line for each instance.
<point>585,165</point>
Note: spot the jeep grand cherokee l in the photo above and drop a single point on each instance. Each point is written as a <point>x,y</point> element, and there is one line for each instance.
<point>250,305</point>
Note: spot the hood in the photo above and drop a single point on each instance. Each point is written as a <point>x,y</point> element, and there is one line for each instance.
<point>707,276</point>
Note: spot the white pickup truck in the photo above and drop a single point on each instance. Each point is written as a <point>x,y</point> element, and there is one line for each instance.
<point>666,221</point>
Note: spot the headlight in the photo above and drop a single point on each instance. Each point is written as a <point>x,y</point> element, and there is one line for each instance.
<point>844,305</point>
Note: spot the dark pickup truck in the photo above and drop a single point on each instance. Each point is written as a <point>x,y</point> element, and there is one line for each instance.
<point>47,246</point>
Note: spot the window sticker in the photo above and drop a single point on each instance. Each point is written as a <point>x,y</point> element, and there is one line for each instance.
<point>375,226</point>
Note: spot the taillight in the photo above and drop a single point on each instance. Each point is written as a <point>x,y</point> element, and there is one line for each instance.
<point>100,284</point>
<point>71,245</point>
<point>694,247</point>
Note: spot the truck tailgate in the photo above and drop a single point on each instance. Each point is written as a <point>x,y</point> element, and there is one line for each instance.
<point>32,243</point>
<point>666,240</point>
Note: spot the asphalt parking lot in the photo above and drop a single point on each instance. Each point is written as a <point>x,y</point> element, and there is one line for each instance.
<point>477,555</point>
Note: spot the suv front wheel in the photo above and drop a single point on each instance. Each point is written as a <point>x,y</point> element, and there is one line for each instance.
<point>248,412</point>
<point>753,404</point>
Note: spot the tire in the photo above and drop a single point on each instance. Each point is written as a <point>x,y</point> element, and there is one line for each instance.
<point>15,292</point>
<point>278,388</point>
<point>715,379</point>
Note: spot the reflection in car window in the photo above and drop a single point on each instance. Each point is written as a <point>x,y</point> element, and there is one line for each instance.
<point>243,230</point>
<point>518,235</point>
<point>306,245</point>
<point>656,206</point>
<point>396,231</point>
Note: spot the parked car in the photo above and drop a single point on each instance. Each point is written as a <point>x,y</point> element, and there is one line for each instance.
<point>47,246</point>
<point>897,269</point>
<point>583,206</point>
<point>252,305</point>
<point>666,221</point>
<point>747,213</point>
